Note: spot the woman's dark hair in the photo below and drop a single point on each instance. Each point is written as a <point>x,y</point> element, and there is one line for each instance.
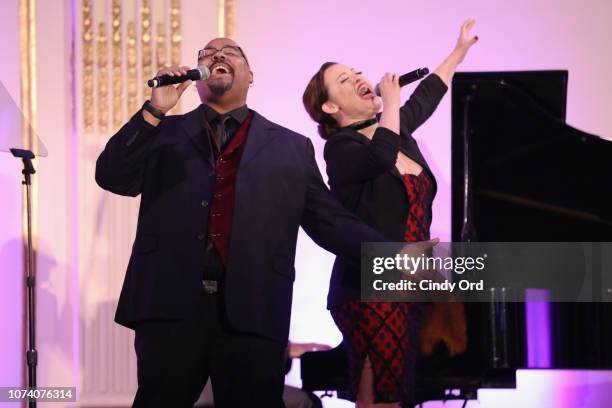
<point>315,95</point>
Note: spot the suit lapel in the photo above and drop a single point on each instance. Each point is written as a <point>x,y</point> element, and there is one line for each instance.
<point>394,172</point>
<point>260,134</point>
<point>409,148</point>
<point>194,125</point>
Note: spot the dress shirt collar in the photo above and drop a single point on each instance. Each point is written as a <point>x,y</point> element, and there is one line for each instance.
<point>239,114</point>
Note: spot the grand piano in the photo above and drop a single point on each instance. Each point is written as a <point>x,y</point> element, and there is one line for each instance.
<point>520,173</point>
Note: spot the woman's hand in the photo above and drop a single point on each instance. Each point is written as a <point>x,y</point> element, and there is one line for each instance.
<point>465,41</point>
<point>390,90</point>
<point>446,70</point>
<point>390,94</point>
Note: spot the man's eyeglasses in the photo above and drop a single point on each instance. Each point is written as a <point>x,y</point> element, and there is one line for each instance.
<point>228,50</point>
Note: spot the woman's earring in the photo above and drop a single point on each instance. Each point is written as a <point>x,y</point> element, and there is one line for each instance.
<point>251,84</point>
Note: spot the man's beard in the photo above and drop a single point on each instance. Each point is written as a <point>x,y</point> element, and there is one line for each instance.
<point>220,88</point>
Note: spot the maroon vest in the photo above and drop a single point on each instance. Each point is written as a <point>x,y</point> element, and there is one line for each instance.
<point>222,203</point>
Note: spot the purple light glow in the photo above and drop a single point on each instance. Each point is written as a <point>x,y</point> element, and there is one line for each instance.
<point>539,347</point>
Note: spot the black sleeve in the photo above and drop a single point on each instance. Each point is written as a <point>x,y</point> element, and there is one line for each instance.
<point>327,222</point>
<point>349,160</point>
<point>422,103</point>
<point>120,166</point>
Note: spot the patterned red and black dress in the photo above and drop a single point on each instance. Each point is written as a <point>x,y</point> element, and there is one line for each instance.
<point>387,332</point>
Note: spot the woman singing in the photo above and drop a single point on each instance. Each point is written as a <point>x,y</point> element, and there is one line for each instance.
<point>376,170</point>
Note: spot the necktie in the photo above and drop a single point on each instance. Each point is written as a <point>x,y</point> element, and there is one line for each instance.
<point>221,131</point>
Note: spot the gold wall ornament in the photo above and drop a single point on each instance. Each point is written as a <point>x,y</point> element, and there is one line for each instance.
<point>175,32</point>
<point>221,18</point>
<point>175,41</point>
<point>103,78</point>
<point>132,31</point>
<point>226,18</point>
<point>132,73</point>
<point>118,105</point>
<point>146,51</point>
<point>160,52</point>
<point>230,18</point>
<point>88,66</point>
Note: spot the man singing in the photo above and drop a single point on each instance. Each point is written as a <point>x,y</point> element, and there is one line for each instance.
<point>224,191</point>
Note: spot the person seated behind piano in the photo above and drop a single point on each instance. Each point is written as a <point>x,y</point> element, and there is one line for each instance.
<point>293,397</point>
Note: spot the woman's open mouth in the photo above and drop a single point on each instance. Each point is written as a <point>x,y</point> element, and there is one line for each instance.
<point>364,92</point>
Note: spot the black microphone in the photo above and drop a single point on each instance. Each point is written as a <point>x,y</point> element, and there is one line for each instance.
<point>408,78</point>
<point>200,73</point>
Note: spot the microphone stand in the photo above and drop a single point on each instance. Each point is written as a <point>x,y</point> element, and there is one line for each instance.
<point>31,354</point>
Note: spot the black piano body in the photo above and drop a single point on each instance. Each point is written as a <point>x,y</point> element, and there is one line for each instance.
<point>531,177</point>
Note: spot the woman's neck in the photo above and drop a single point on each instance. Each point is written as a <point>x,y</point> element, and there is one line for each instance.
<point>369,131</point>
<point>366,126</point>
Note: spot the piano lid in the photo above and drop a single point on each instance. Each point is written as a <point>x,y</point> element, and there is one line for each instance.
<point>528,166</point>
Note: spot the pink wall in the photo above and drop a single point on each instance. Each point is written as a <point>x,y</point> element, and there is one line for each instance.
<point>11,268</point>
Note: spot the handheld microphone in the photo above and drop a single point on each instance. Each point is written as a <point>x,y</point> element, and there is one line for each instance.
<point>200,73</point>
<point>408,78</point>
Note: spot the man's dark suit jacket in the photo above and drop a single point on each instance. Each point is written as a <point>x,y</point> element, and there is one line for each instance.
<point>362,174</point>
<point>278,189</point>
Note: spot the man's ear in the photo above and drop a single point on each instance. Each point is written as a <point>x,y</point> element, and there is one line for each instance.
<point>250,76</point>
<point>330,108</point>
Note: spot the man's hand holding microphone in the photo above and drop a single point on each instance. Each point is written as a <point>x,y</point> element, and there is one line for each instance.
<point>165,94</point>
